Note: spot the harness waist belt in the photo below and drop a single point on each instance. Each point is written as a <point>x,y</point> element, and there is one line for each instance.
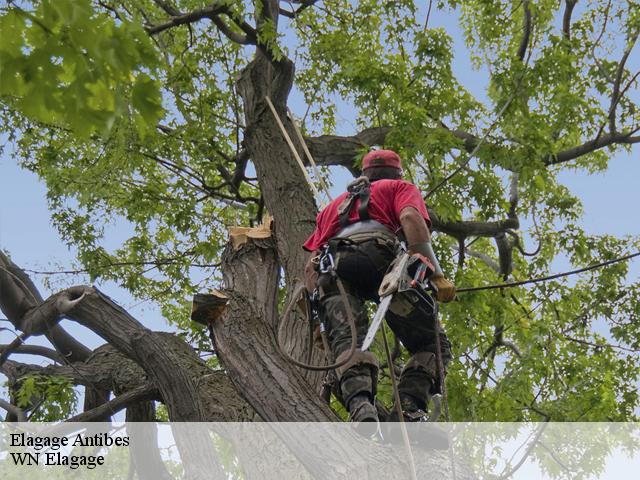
<point>362,227</point>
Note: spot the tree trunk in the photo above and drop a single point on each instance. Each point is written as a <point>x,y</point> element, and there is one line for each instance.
<point>246,341</point>
<point>287,195</point>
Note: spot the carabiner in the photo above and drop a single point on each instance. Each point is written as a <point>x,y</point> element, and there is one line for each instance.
<point>327,264</point>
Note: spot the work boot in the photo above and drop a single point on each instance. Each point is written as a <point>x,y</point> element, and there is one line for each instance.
<point>428,436</point>
<point>364,415</point>
<point>412,410</point>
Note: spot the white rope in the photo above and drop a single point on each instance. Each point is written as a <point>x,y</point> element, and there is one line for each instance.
<point>293,149</point>
<point>325,187</point>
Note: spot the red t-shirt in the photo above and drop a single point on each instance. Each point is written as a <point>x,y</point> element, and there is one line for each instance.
<point>388,198</point>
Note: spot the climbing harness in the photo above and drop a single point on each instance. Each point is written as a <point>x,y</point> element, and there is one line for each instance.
<point>359,189</point>
<point>327,265</point>
<point>405,286</point>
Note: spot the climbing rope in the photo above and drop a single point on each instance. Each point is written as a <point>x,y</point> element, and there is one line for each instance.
<point>295,153</point>
<point>323,183</point>
<point>549,277</point>
<point>398,405</point>
<point>352,328</point>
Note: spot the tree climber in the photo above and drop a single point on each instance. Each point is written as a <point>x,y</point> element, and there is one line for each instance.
<point>362,228</point>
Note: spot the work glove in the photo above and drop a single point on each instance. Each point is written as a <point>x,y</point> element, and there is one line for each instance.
<point>445,290</point>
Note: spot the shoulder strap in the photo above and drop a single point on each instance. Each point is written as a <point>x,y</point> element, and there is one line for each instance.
<point>359,188</point>
<point>363,209</point>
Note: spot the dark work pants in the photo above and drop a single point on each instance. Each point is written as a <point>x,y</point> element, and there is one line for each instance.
<point>361,268</point>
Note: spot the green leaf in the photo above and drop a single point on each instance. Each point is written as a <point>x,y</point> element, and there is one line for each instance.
<point>146,99</point>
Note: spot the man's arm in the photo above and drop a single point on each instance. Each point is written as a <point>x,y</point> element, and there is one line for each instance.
<point>414,227</point>
<point>419,241</point>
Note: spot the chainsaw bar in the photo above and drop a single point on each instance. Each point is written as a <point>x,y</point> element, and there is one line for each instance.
<point>377,321</point>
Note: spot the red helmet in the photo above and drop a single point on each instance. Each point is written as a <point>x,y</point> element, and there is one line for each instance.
<point>381,158</point>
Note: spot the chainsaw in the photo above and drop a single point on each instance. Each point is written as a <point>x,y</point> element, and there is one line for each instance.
<point>404,288</point>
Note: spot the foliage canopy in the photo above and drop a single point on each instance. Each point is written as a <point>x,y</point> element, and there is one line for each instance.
<point>132,118</point>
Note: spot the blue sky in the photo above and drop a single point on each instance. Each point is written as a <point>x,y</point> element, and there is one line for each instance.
<point>610,203</point>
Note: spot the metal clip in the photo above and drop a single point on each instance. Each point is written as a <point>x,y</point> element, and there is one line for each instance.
<point>327,264</point>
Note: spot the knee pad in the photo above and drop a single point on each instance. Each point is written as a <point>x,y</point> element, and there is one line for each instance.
<point>419,379</point>
<point>424,361</point>
<point>358,358</point>
<point>358,375</point>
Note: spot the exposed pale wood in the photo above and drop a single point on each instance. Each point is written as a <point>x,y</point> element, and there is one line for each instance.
<point>240,235</point>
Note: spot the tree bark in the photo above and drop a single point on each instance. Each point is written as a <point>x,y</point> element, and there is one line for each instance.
<point>246,340</point>
<point>19,296</point>
<point>288,197</point>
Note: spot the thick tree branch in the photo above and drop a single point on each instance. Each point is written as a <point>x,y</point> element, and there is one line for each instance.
<point>566,18</point>
<point>181,378</point>
<point>97,312</point>
<point>513,195</point>
<point>591,146</point>
<point>339,150</point>
<point>343,150</point>
<point>41,318</point>
<point>463,229</point>
<point>230,34</point>
<point>79,374</point>
<point>524,43</point>
<point>12,409</point>
<point>37,350</point>
<point>505,254</point>
<point>166,361</point>
<point>185,18</point>
<point>102,412</point>
<point>19,296</point>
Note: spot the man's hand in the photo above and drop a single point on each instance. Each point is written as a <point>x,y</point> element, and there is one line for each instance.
<point>445,290</point>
